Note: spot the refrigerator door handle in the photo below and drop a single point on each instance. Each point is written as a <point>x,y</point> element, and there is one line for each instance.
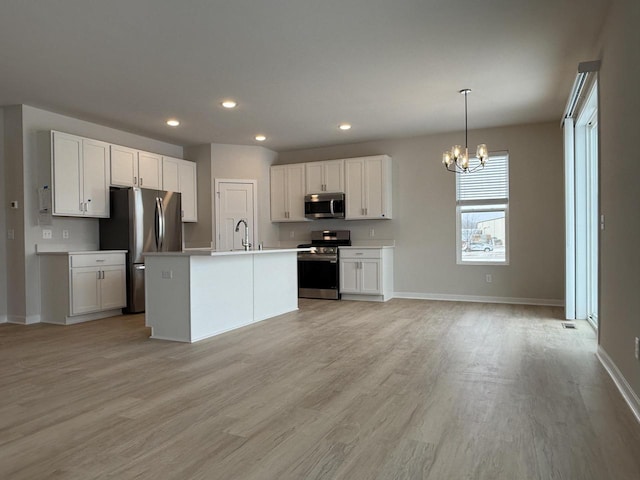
<point>162,225</point>
<point>158,223</point>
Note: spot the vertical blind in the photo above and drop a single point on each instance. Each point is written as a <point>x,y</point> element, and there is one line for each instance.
<point>487,186</point>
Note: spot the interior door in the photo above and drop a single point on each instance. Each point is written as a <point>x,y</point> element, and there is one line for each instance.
<point>235,202</point>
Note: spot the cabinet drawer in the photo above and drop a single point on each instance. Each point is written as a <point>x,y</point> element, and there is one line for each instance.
<point>360,253</point>
<point>96,259</point>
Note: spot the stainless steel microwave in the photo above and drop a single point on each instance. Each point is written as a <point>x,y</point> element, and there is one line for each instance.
<point>324,205</point>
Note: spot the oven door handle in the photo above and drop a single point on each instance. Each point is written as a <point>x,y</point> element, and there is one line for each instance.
<point>317,258</point>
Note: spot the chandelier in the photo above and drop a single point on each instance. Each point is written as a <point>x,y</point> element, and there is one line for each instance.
<point>457,160</point>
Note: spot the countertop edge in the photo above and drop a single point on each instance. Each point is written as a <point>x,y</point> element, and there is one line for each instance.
<point>210,253</point>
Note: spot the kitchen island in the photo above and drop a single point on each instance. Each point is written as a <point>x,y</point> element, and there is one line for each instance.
<point>196,294</point>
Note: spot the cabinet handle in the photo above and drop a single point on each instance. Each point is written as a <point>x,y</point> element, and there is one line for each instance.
<point>135,180</point>
<point>140,181</point>
<point>366,211</point>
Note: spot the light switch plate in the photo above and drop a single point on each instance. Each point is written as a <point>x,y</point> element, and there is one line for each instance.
<point>47,233</point>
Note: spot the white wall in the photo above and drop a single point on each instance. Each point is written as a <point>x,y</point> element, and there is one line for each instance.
<point>619,78</point>
<point>424,224</point>
<point>29,167</point>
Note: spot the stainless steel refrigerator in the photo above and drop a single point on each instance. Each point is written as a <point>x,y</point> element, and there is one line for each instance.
<point>142,221</point>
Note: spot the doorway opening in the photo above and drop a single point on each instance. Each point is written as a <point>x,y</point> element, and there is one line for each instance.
<point>582,207</point>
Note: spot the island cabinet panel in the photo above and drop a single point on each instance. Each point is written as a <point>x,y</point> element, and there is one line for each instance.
<point>194,295</point>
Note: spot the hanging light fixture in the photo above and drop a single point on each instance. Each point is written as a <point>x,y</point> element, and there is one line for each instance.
<point>457,159</point>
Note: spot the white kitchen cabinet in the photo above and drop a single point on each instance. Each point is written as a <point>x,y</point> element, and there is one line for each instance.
<point>325,176</point>
<point>79,170</point>
<point>181,176</point>
<point>81,286</point>
<point>368,187</point>
<point>149,170</point>
<point>366,273</point>
<point>135,168</point>
<point>287,193</point>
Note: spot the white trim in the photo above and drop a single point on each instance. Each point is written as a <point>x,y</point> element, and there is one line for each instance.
<point>21,320</point>
<point>550,302</point>
<point>570,221</point>
<point>625,389</point>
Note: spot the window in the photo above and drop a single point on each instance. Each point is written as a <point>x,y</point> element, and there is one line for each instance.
<point>482,207</point>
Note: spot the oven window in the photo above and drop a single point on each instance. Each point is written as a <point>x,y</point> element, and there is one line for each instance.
<point>317,274</point>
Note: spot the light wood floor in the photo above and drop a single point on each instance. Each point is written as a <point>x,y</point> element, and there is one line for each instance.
<point>339,390</point>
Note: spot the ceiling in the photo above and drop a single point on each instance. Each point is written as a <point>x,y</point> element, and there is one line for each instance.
<point>297,68</point>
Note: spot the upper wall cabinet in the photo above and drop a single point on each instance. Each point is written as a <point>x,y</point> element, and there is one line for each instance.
<point>79,172</point>
<point>368,187</point>
<point>325,176</point>
<point>181,176</point>
<point>287,193</point>
<point>134,168</point>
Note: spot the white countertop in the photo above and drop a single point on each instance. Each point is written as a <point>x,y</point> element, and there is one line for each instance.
<point>365,247</point>
<point>220,253</point>
<point>80,252</point>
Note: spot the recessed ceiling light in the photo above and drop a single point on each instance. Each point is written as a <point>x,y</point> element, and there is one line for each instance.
<point>172,122</point>
<point>344,126</point>
<point>229,104</point>
<point>261,138</point>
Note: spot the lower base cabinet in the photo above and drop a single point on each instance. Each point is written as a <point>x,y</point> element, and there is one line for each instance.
<point>77,287</point>
<point>366,273</point>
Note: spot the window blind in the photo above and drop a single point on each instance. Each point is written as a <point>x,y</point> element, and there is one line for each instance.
<point>489,185</point>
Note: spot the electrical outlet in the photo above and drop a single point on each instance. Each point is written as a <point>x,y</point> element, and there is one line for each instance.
<point>637,348</point>
<point>47,233</point>
<point>488,278</point>
<point>292,234</point>
<point>11,234</point>
<point>167,274</point>
<point>65,233</point>
<point>372,232</point>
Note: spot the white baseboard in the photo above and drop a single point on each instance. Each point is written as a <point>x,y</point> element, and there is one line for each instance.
<point>20,320</point>
<point>625,389</point>
<point>551,302</point>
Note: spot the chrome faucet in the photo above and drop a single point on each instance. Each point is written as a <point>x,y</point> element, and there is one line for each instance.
<point>245,240</point>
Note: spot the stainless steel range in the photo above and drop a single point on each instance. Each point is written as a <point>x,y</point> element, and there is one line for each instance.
<point>319,270</point>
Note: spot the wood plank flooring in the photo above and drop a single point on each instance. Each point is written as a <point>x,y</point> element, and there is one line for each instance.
<point>408,389</point>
